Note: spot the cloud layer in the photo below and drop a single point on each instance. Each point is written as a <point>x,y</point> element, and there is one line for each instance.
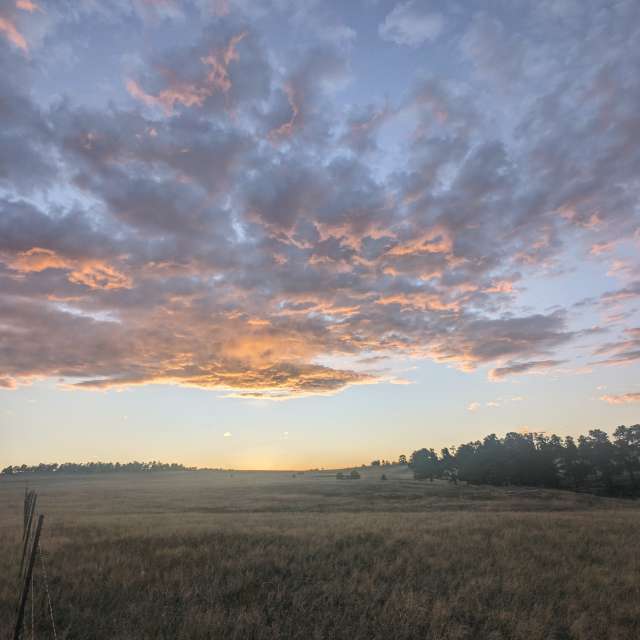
<point>218,215</point>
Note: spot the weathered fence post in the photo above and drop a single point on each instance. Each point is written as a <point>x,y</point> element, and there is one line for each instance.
<point>29,512</point>
<point>27,579</point>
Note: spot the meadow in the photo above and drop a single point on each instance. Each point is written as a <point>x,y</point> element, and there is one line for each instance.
<point>289,555</point>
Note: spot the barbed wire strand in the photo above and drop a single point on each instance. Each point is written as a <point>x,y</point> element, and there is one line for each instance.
<point>46,588</point>
<point>33,598</point>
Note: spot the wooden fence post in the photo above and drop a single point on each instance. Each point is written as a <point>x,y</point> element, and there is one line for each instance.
<point>27,580</point>
<point>30,509</point>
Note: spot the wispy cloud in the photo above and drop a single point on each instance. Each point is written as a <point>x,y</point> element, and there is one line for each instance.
<point>622,398</point>
<point>11,33</point>
<point>518,368</point>
<point>410,24</point>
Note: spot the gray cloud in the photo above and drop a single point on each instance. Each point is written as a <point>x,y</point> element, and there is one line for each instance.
<point>624,351</point>
<point>410,24</point>
<point>523,367</point>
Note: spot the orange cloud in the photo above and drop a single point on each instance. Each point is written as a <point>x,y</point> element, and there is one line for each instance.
<point>425,301</point>
<point>436,240</point>
<point>218,76</point>
<point>500,286</point>
<point>12,34</point>
<point>99,275</point>
<point>190,94</point>
<point>37,259</point>
<point>27,5</point>
<point>95,274</point>
<point>274,382</point>
<point>186,94</point>
<point>7,383</point>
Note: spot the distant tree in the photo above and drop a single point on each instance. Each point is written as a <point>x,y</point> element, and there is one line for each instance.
<point>93,467</point>
<point>627,447</point>
<point>448,465</point>
<point>573,468</point>
<point>375,463</point>
<point>402,459</point>
<point>598,450</point>
<point>424,464</point>
<point>594,463</point>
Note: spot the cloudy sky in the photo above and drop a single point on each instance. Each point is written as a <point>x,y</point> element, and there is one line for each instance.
<point>304,233</point>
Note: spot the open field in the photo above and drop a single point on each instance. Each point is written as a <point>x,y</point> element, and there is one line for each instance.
<point>270,555</point>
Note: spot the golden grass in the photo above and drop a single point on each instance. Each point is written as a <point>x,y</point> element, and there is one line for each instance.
<point>206,555</point>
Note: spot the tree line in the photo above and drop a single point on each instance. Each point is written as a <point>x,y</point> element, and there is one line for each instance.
<point>95,467</point>
<point>594,462</point>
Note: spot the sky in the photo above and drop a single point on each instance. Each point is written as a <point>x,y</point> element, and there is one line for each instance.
<point>301,233</point>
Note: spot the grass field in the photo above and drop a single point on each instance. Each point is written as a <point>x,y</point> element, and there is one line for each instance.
<point>270,555</point>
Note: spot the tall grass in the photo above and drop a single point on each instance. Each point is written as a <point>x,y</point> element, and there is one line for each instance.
<point>270,556</point>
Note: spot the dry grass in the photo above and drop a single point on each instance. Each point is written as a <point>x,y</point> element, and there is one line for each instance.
<point>271,556</point>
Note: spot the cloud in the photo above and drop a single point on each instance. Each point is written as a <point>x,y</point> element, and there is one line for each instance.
<point>493,404</point>
<point>11,33</point>
<point>7,383</point>
<point>214,77</point>
<point>223,71</point>
<point>518,368</point>
<point>624,351</point>
<point>623,398</point>
<point>91,273</point>
<point>279,383</point>
<point>222,215</point>
<point>601,247</point>
<point>409,24</point>
<point>363,125</point>
<point>621,295</point>
<point>27,5</point>
<point>187,95</point>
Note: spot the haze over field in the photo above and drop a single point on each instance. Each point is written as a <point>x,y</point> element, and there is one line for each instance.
<point>295,234</point>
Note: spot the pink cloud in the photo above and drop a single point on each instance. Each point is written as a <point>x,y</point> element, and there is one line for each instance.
<point>623,398</point>
<point>27,5</point>
<point>9,30</point>
<point>192,94</point>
